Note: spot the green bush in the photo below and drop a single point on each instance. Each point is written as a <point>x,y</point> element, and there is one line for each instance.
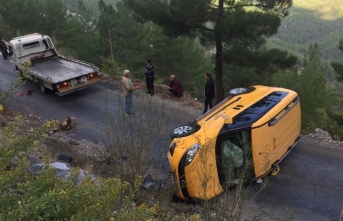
<point>46,197</point>
<point>319,103</point>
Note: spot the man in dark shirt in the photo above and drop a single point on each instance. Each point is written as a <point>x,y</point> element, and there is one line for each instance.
<point>209,92</point>
<point>149,77</point>
<point>175,87</point>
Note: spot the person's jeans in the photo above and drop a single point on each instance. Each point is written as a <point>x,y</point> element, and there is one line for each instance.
<point>128,102</point>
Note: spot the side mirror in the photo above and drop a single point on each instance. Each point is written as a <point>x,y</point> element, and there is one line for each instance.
<point>227,120</point>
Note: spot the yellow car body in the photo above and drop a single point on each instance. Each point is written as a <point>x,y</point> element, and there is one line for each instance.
<point>251,130</point>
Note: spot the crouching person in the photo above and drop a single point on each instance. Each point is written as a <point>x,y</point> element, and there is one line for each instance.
<point>175,86</point>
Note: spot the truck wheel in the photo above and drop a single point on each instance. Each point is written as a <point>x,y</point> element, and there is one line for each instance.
<point>42,87</point>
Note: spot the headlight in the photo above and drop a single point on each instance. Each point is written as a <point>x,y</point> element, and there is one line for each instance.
<point>191,153</point>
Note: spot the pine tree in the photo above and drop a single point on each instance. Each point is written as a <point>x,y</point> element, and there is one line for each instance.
<point>133,42</point>
<point>338,67</point>
<point>224,24</point>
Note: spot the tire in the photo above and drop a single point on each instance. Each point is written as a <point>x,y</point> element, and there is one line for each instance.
<point>42,87</point>
<point>239,90</point>
<point>185,130</point>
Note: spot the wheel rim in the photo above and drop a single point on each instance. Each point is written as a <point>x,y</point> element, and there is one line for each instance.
<point>238,90</point>
<point>182,130</point>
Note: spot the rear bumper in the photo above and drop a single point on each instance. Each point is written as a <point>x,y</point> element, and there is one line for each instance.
<point>71,90</point>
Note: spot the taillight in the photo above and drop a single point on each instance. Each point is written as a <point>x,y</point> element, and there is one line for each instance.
<point>93,75</point>
<point>63,84</point>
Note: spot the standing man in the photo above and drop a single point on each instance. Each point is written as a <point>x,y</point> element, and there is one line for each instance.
<point>128,88</point>
<point>149,77</point>
<point>209,91</point>
<point>175,87</point>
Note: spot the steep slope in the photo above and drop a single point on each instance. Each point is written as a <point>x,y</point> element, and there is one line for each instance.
<point>311,22</point>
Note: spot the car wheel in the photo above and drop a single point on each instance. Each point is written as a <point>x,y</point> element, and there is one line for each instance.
<point>184,130</point>
<point>239,90</point>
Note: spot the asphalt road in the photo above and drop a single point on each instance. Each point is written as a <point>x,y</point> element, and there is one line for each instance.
<point>308,187</point>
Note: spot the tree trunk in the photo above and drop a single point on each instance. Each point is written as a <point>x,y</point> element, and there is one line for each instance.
<point>110,43</point>
<point>219,55</point>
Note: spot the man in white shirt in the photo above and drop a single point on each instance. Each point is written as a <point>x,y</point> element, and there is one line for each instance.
<point>128,88</point>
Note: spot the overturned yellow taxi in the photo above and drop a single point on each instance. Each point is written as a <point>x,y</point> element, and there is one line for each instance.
<point>241,139</point>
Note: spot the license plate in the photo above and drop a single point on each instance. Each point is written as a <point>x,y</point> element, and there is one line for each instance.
<point>76,83</point>
<point>80,83</point>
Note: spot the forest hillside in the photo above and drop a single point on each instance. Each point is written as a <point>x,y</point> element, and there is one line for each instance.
<point>308,22</point>
<point>311,22</point>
